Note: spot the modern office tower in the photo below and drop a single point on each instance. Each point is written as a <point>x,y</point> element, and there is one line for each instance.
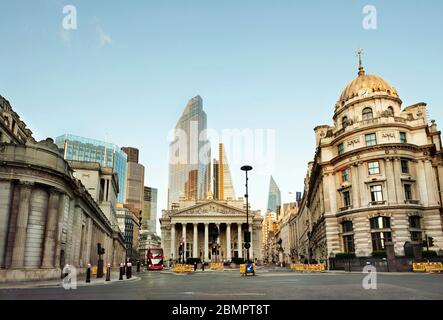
<point>129,226</point>
<point>135,178</point>
<point>149,212</point>
<point>89,150</point>
<point>189,156</point>
<point>222,188</point>
<point>274,197</point>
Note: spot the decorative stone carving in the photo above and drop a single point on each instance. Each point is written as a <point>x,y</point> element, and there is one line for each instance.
<point>353,142</point>
<point>388,135</point>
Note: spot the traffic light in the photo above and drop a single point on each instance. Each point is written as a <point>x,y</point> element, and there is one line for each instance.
<point>100,250</point>
<point>430,241</point>
<point>247,236</point>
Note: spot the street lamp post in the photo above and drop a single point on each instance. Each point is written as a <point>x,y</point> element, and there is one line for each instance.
<point>248,237</point>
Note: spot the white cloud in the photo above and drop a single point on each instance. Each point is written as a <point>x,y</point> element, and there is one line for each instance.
<point>104,38</point>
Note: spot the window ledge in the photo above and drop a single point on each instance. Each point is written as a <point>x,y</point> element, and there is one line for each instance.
<point>345,208</point>
<point>377,203</point>
<point>416,202</point>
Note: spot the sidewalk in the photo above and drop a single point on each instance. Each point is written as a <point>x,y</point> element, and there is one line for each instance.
<point>81,282</point>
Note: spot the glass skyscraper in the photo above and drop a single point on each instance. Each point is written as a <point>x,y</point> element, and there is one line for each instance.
<point>190,156</point>
<point>90,150</point>
<point>274,197</point>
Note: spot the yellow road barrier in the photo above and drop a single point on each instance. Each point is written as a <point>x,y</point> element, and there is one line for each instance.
<point>427,266</point>
<point>180,268</point>
<point>216,266</point>
<point>243,269</point>
<point>95,268</point>
<point>308,267</point>
<point>419,266</point>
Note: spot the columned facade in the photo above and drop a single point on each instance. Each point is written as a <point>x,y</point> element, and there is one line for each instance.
<point>376,179</point>
<point>216,234</point>
<point>47,217</point>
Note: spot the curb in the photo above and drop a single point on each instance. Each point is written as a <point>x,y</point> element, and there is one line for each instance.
<point>58,284</point>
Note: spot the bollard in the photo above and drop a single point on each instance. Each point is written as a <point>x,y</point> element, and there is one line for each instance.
<point>108,272</point>
<point>121,271</point>
<point>195,266</point>
<point>128,270</point>
<point>88,273</point>
<point>138,266</point>
<point>203,266</point>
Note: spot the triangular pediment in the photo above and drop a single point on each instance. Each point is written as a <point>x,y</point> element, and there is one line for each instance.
<point>211,207</point>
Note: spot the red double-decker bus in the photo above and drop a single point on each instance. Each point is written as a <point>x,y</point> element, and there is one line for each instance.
<point>155,259</point>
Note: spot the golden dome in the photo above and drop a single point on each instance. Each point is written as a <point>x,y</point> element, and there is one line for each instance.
<point>370,82</point>
<point>365,84</point>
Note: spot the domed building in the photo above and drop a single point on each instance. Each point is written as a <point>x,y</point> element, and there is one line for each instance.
<point>374,187</point>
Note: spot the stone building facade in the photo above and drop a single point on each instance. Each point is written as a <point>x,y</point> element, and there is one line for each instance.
<point>283,234</point>
<point>212,230</point>
<point>377,177</point>
<point>47,217</point>
<point>269,230</point>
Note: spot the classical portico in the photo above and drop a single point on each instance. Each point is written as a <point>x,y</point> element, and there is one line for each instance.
<point>211,231</point>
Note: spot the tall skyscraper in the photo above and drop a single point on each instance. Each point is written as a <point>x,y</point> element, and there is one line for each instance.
<point>274,197</point>
<point>189,155</point>
<point>91,150</point>
<point>135,179</point>
<point>149,212</point>
<point>222,187</point>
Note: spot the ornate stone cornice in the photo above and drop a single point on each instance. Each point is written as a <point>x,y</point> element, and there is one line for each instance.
<point>378,147</point>
<point>394,125</point>
<point>386,207</point>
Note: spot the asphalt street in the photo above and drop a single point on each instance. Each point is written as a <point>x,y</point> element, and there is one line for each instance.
<point>229,285</point>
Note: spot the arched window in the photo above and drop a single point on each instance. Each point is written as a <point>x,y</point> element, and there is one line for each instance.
<point>391,111</point>
<point>367,114</point>
<point>344,122</point>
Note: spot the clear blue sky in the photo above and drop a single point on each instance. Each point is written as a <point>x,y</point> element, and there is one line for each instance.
<point>127,72</point>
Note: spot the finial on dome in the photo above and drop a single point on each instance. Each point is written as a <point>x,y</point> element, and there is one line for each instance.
<point>361,70</point>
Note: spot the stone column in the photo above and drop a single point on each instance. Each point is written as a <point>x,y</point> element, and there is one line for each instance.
<point>88,242</point>
<point>364,190</point>
<point>355,186</point>
<point>105,191</point>
<point>240,244</point>
<point>60,219</point>
<point>18,253</point>
<point>251,249</point>
<point>218,234</point>
<point>195,246</point>
<point>51,229</point>
<point>228,242</point>
<point>184,240</point>
<point>431,183</point>
<point>206,241</point>
<point>393,197</point>
<point>398,183</point>
<point>173,256</point>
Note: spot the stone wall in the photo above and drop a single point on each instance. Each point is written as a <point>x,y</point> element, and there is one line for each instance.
<point>47,217</point>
